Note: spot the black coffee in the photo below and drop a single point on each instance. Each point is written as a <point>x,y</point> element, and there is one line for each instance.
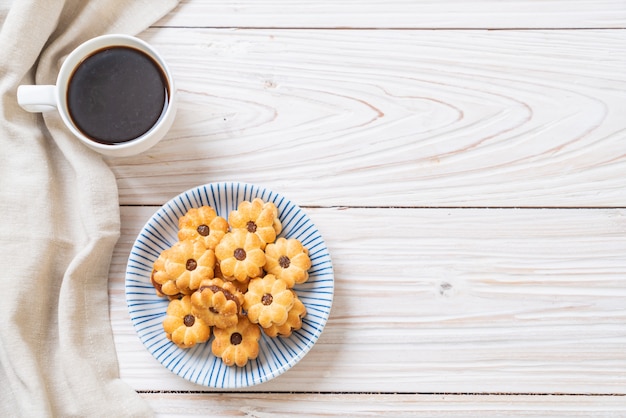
<point>117,94</point>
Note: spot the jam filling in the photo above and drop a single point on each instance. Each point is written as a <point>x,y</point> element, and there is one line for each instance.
<point>236,338</point>
<point>267,299</point>
<point>203,230</point>
<point>240,254</point>
<point>191,264</point>
<point>284,261</point>
<point>189,320</point>
<point>251,226</point>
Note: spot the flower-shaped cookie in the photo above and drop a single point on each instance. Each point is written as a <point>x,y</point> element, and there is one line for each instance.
<point>293,323</point>
<point>217,303</point>
<point>182,267</point>
<point>202,224</point>
<point>160,279</point>
<point>159,265</point>
<point>182,327</point>
<point>240,255</point>
<point>287,259</point>
<point>268,301</point>
<point>257,217</point>
<point>237,344</point>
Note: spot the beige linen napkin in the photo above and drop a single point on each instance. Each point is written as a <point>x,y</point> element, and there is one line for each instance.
<point>59,222</point>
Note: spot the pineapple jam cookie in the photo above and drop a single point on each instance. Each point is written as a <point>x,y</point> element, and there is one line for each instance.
<point>182,327</point>
<point>217,303</point>
<point>237,344</point>
<point>182,267</point>
<point>287,259</point>
<point>257,217</point>
<point>159,265</point>
<point>202,224</point>
<point>240,255</point>
<point>293,323</point>
<point>268,301</point>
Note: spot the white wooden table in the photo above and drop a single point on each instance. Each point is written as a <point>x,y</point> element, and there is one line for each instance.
<point>465,162</point>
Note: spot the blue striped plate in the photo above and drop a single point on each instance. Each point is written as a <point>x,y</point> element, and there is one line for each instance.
<point>198,364</point>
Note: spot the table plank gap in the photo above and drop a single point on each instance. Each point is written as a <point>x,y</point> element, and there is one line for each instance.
<point>481,301</point>
<point>398,13</point>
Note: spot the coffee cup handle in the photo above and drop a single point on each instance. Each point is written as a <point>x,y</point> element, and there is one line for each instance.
<point>37,98</point>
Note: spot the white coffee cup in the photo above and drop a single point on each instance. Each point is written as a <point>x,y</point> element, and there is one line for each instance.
<point>91,79</point>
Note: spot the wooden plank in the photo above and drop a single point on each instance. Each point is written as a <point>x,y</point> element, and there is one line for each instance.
<point>393,118</point>
<point>399,14</point>
<point>446,301</point>
<point>335,405</point>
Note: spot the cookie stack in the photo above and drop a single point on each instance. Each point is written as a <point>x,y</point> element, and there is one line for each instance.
<point>231,279</point>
